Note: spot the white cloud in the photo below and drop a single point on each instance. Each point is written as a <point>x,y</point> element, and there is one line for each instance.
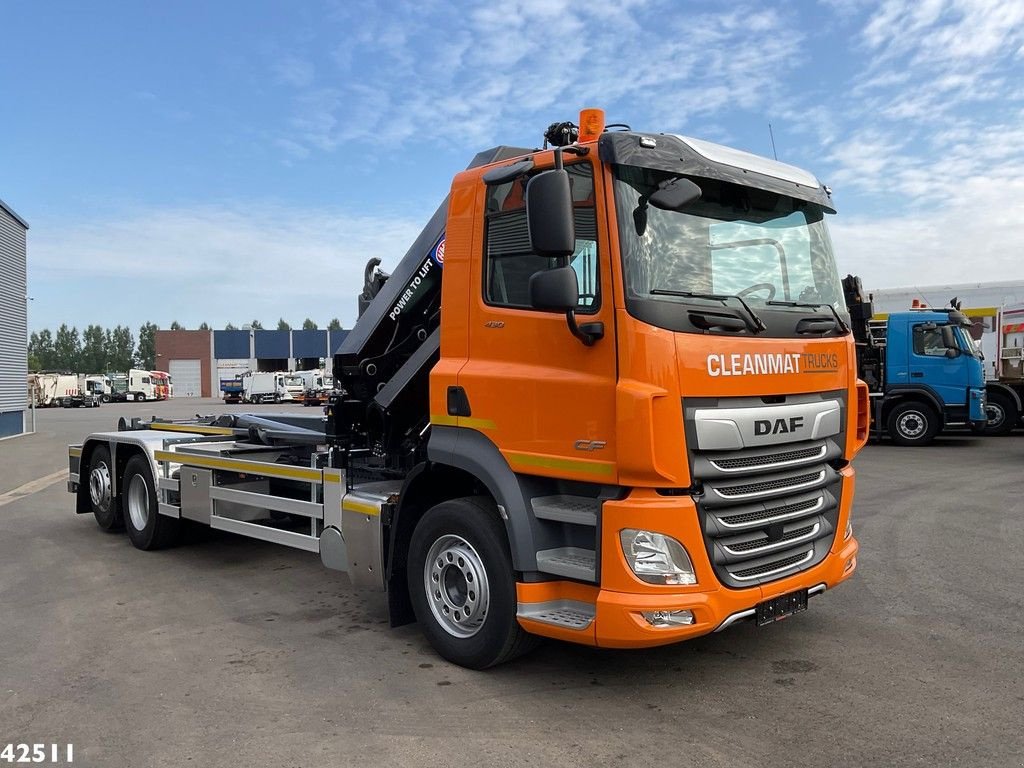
<point>490,74</point>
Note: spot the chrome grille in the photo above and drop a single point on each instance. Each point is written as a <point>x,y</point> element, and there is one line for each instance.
<point>767,510</point>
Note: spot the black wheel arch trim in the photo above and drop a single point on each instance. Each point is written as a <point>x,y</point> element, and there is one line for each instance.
<point>474,453</point>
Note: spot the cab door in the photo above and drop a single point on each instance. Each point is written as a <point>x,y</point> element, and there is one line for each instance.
<point>546,400</point>
<point>929,365</point>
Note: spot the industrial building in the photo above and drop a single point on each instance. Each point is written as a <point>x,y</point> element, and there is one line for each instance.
<point>198,360</point>
<point>13,321</point>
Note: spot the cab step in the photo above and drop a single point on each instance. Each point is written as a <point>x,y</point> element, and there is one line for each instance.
<point>570,562</point>
<point>568,614</point>
<point>580,510</point>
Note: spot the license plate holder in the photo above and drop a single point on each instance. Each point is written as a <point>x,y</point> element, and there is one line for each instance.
<point>781,607</point>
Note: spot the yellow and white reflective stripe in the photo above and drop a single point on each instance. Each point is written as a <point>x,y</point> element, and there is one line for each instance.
<point>74,450</point>
<point>240,465</point>
<point>558,463</point>
<point>444,420</point>
<point>199,429</point>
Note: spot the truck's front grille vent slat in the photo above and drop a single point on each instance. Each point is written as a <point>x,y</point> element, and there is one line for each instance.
<point>765,542</point>
<point>771,459</point>
<point>774,567</point>
<point>763,486</point>
<point>773,514</point>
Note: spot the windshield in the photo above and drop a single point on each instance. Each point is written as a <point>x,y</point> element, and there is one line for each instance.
<point>735,240</point>
<point>967,342</point>
<point>293,381</point>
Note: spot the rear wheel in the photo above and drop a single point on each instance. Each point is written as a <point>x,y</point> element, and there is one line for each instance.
<point>1001,412</point>
<point>462,587</point>
<point>101,501</point>
<point>913,423</point>
<point>147,528</point>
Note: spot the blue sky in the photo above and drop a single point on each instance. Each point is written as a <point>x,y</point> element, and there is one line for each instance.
<point>219,162</point>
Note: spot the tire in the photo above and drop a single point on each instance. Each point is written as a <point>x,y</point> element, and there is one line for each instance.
<point>105,398</point>
<point>147,528</point>
<point>1002,414</point>
<point>104,507</point>
<point>460,549</point>
<point>912,423</point>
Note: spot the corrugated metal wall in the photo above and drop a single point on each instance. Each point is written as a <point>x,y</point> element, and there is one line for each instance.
<point>13,320</point>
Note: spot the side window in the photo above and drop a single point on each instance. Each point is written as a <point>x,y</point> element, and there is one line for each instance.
<point>928,342</point>
<point>145,380</point>
<point>508,261</point>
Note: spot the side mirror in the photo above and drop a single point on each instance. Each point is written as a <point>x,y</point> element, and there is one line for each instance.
<point>951,353</point>
<point>948,337</point>
<point>549,215</point>
<point>554,290</point>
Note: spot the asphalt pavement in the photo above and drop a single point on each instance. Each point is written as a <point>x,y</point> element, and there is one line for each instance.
<point>229,652</point>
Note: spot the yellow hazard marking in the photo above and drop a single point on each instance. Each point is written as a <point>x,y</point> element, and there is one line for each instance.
<point>444,420</point>
<point>361,507</point>
<point>75,452</point>
<point>239,465</point>
<point>199,429</point>
<point>552,462</point>
<point>332,478</point>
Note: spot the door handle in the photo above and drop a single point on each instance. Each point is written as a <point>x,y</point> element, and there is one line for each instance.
<point>917,374</point>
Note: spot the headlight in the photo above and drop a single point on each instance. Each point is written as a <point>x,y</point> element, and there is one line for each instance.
<point>656,558</point>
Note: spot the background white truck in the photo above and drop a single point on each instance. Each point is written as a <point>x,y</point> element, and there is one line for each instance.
<point>265,388</point>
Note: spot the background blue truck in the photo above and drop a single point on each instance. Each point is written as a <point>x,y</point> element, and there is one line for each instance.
<point>922,367</point>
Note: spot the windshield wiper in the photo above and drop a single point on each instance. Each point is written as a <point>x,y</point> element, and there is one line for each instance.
<point>754,323</point>
<point>814,305</point>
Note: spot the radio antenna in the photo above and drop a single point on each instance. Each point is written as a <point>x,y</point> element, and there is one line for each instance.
<point>771,135</point>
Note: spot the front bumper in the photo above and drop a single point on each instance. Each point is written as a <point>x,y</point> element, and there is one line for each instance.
<point>620,600</point>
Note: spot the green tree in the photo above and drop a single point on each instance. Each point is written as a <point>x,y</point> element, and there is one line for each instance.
<point>67,348</point>
<point>256,325</point>
<point>176,326</point>
<point>282,325</point>
<point>334,325</point>
<point>308,325</point>
<point>94,350</point>
<point>121,352</point>
<point>40,349</point>
<point>230,327</point>
<point>147,345</point>
<point>204,326</point>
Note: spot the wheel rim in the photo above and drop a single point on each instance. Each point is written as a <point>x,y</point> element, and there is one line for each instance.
<point>995,414</point>
<point>99,486</point>
<point>912,424</point>
<point>138,502</point>
<point>456,586</point>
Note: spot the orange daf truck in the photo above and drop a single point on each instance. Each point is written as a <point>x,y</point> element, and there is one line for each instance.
<point>608,396</point>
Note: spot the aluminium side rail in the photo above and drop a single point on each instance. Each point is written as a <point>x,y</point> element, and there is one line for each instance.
<point>207,474</point>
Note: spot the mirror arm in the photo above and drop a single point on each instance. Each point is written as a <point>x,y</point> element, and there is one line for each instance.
<point>587,333</point>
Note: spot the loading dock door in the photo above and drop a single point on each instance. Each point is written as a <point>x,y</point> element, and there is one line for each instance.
<point>187,376</point>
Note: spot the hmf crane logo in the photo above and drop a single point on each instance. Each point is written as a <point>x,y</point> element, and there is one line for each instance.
<point>771,364</point>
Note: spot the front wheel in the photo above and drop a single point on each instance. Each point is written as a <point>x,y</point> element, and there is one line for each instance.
<point>913,423</point>
<point>1001,412</point>
<point>147,528</point>
<point>462,587</point>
